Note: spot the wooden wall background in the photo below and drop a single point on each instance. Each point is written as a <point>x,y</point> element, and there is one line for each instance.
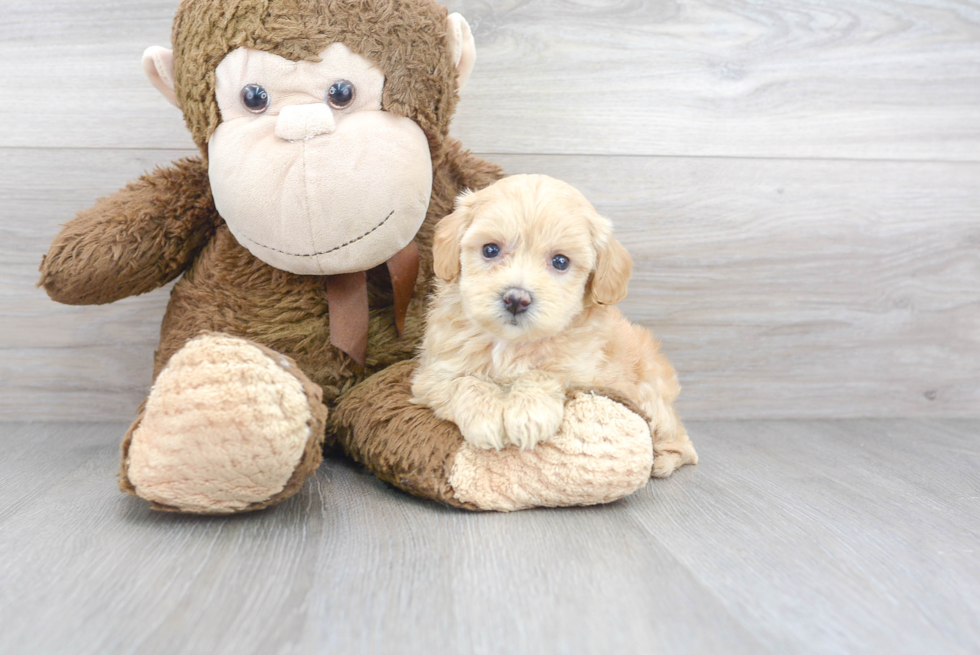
<point>799,183</point>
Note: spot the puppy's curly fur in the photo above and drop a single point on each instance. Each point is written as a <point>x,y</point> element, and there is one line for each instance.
<point>523,310</point>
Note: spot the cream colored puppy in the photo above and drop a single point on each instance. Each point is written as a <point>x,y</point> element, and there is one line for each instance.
<point>527,276</point>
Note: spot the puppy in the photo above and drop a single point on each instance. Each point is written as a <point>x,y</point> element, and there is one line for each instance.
<point>528,274</point>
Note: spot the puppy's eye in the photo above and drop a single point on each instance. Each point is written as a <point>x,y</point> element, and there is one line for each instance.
<point>255,98</point>
<point>491,250</point>
<point>560,262</point>
<point>340,94</point>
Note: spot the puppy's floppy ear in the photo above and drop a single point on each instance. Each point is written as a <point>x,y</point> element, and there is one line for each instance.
<point>449,231</point>
<point>613,267</point>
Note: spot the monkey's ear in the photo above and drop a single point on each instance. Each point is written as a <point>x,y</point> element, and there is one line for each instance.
<point>449,232</point>
<point>612,273</point>
<point>158,64</point>
<point>462,47</point>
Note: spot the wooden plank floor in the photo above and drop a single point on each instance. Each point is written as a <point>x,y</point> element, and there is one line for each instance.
<point>790,537</point>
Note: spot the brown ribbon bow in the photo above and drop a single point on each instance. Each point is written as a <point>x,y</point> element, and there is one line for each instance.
<point>347,302</point>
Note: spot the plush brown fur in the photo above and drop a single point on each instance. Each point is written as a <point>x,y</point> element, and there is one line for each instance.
<point>405,38</point>
<point>403,443</point>
<point>147,234</point>
<point>135,240</point>
<point>166,224</point>
<point>228,290</point>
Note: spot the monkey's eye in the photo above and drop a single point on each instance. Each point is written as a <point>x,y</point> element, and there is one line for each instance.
<point>560,262</point>
<point>340,94</point>
<point>491,250</point>
<point>255,98</point>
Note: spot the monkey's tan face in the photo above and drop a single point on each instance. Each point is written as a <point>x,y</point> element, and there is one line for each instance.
<point>307,170</point>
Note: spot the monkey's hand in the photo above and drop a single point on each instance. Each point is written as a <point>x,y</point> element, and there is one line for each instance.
<point>133,241</point>
<point>534,409</point>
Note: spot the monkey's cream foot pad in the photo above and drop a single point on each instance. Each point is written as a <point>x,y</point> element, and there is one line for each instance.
<point>229,426</point>
<point>602,452</point>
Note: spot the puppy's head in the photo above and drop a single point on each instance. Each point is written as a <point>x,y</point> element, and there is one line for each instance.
<point>529,254</point>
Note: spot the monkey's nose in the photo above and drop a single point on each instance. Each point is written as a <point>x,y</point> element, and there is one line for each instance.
<point>517,300</point>
<point>301,122</point>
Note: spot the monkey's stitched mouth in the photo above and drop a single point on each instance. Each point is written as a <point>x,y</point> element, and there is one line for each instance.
<point>324,252</point>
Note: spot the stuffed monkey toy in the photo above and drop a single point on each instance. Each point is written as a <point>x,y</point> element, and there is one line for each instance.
<point>302,239</point>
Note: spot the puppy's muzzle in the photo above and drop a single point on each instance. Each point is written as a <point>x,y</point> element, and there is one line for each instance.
<point>517,300</point>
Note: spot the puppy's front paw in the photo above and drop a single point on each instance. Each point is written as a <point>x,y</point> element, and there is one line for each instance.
<point>483,429</point>
<point>534,410</point>
<point>527,423</point>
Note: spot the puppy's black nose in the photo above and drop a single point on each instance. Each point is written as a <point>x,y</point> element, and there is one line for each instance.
<point>517,301</point>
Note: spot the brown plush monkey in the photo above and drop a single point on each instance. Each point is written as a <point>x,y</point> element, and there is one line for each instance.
<point>303,237</point>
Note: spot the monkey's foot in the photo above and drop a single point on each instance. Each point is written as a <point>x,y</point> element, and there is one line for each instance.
<point>602,452</point>
<point>229,426</point>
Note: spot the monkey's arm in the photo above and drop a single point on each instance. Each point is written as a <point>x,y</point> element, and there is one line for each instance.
<point>133,241</point>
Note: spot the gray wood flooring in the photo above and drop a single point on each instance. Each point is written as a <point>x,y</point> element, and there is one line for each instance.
<point>790,537</point>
